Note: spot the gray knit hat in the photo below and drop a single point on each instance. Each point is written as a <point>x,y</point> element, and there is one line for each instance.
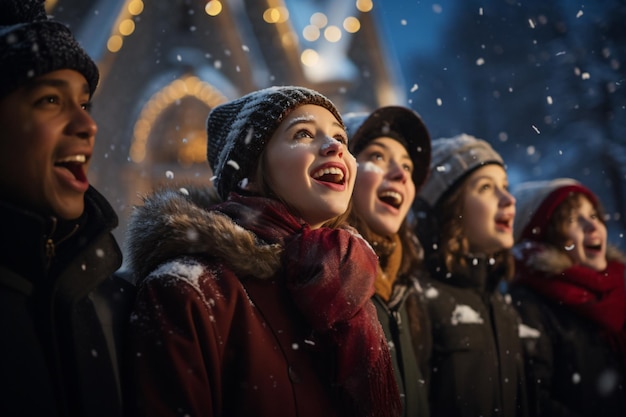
<point>452,160</point>
<point>400,123</point>
<point>31,45</point>
<point>536,202</point>
<point>239,130</point>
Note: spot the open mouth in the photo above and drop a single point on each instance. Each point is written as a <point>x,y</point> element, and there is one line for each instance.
<point>333,175</point>
<point>74,164</point>
<point>504,223</point>
<point>392,198</point>
<point>594,247</point>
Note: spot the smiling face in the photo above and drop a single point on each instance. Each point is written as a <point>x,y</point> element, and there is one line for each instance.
<point>384,189</point>
<point>488,210</point>
<point>46,142</point>
<point>308,165</point>
<point>585,235</point>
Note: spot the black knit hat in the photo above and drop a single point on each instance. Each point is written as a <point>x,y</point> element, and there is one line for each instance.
<point>400,123</point>
<point>31,45</point>
<point>239,130</point>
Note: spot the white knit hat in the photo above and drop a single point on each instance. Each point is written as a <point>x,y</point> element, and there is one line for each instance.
<point>451,160</point>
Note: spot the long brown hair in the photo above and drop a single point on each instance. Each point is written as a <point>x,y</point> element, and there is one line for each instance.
<point>445,242</point>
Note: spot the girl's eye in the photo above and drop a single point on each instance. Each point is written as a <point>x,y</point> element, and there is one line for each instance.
<point>485,187</point>
<point>87,106</point>
<point>407,167</point>
<point>376,156</point>
<point>303,134</point>
<point>342,139</point>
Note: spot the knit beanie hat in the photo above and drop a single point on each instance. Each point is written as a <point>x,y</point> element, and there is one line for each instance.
<point>239,130</point>
<point>452,160</point>
<point>31,45</point>
<point>537,202</point>
<point>399,123</point>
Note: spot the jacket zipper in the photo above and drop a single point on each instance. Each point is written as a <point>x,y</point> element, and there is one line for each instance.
<point>51,246</point>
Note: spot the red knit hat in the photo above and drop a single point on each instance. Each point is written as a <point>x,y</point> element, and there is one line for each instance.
<point>537,201</point>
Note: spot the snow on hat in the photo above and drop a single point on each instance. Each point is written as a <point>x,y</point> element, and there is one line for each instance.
<point>537,201</point>
<point>453,159</point>
<point>32,45</point>
<point>239,130</point>
<point>400,123</point>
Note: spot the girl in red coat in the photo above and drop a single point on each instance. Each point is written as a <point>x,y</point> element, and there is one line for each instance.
<point>257,305</point>
<point>569,289</point>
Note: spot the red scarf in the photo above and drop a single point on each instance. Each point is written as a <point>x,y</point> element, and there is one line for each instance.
<point>330,275</point>
<point>598,296</point>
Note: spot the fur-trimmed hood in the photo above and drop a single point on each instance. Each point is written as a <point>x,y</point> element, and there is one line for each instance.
<point>178,221</point>
<point>550,260</point>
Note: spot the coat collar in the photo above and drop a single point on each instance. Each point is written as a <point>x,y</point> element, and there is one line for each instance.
<point>191,221</point>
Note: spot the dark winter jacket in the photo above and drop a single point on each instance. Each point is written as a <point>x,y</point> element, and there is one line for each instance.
<point>59,313</point>
<point>476,363</point>
<point>406,328</point>
<point>571,367</point>
<point>243,310</point>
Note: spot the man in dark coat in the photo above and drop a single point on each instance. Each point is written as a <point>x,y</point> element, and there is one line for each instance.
<point>59,306</point>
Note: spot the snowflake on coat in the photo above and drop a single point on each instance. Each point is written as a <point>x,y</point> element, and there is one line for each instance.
<point>464,314</point>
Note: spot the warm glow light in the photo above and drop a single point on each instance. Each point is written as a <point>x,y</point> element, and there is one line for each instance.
<point>276,15</point>
<point>127,27</point>
<point>332,34</point>
<point>283,14</point>
<point>135,7</point>
<point>364,5</point>
<point>213,7</point>
<point>309,57</point>
<point>176,90</point>
<point>351,24</point>
<point>271,15</point>
<point>289,39</point>
<point>319,19</point>
<point>49,4</point>
<point>115,43</point>
<point>311,33</point>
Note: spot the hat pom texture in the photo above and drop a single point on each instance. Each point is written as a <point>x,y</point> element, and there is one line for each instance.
<point>239,130</point>
<point>31,45</point>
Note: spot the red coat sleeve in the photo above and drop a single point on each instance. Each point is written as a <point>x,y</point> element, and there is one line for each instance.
<point>173,338</point>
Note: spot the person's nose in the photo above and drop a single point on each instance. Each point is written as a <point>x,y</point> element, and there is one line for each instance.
<point>506,198</point>
<point>589,225</point>
<point>333,147</point>
<point>82,124</point>
<point>396,172</point>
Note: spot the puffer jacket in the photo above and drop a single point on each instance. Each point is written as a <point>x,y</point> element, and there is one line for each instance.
<point>243,310</point>
<point>60,313</point>
<point>573,368</point>
<point>476,362</point>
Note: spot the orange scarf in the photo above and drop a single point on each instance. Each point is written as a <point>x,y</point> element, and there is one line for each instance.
<point>388,266</point>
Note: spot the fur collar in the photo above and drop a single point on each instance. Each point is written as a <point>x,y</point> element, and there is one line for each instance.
<point>178,221</point>
<point>550,260</point>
